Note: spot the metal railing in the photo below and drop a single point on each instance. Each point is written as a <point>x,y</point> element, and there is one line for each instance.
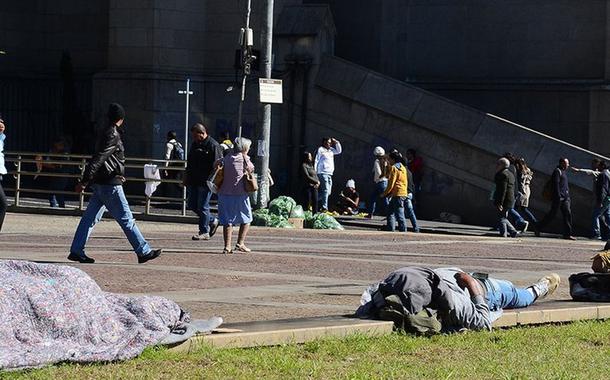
<point>72,166</point>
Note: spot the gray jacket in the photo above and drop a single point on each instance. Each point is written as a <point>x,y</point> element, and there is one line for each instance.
<point>461,311</point>
<point>435,289</point>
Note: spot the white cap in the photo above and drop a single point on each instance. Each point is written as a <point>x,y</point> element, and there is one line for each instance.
<point>351,183</point>
<point>379,151</point>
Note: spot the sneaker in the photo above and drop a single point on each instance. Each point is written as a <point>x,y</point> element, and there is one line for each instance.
<point>514,234</point>
<point>525,225</point>
<point>149,256</point>
<point>205,236</point>
<point>214,227</point>
<point>546,285</point>
<point>569,238</point>
<point>84,259</point>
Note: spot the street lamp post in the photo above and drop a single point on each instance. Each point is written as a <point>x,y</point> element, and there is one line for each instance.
<point>246,43</point>
<point>188,94</point>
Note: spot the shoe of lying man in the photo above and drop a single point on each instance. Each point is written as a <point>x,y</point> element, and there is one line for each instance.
<point>546,285</point>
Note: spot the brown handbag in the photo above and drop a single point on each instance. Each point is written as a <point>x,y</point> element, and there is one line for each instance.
<point>215,179</point>
<point>250,180</point>
<point>219,176</point>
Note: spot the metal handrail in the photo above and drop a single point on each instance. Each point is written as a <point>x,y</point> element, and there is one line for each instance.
<point>80,161</point>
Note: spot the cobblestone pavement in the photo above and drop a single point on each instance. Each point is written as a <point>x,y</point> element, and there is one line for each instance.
<point>291,273</point>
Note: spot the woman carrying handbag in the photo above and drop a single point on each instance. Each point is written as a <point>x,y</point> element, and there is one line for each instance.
<point>233,200</point>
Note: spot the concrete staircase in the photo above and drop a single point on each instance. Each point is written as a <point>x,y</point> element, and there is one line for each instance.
<point>459,144</point>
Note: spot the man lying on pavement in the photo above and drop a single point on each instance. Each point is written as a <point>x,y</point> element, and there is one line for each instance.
<point>424,300</point>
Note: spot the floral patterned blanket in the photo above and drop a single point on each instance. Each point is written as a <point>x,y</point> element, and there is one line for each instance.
<point>52,313</point>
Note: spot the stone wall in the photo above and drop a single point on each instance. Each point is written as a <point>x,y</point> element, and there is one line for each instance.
<point>532,62</point>
<point>459,144</point>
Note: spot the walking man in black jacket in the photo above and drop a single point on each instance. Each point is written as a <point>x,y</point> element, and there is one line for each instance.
<point>504,196</point>
<point>105,174</point>
<point>560,200</point>
<point>202,155</point>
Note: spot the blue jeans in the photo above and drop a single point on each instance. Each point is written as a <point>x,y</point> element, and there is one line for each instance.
<point>109,197</point>
<point>528,214</point>
<point>410,212</point>
<point>504,225</point>
<point>396,213</point>
<point>379,189</point>
<point>519,221</point>
<point>326,185</point>
<point>502,294</point>
<point>199,202</point>
<point>598,212</point>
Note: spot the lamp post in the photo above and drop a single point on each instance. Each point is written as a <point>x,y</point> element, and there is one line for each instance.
<point>246,43</point>
<point>186,93</point>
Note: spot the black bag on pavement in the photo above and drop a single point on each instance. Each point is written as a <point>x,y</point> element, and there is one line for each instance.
<point>590,287</point>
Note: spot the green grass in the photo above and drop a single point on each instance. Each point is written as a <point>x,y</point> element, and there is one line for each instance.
<point>573,351</point>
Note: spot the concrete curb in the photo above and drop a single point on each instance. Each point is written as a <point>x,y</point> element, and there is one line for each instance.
<point>272,333</point>
<point>296,331</point>
<point>554,315</point>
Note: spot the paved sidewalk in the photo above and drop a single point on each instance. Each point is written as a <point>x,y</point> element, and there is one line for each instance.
<point>291,273</point>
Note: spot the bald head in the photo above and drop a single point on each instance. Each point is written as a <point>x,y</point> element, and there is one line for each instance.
<point>199,132</point>
<point>502,163</point>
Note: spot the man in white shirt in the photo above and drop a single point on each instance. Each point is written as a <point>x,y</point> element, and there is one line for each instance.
<point>325,167</point>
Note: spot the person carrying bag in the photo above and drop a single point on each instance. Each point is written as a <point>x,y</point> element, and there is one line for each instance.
<point>233,199</point>
<point>249,179</point>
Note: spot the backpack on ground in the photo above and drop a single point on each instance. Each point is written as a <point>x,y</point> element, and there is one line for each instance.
<point>424,322</point>
<point>177,152</point>
<point>590,287</point>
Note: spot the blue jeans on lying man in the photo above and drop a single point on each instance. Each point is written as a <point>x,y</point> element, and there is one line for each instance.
<point>111,198</point>
<point>502,294</point>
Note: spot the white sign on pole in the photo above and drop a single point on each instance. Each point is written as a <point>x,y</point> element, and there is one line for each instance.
<point>270,90</point>
<point>262,148</point>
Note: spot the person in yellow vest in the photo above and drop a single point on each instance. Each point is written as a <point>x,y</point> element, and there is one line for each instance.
<point>397,190</point>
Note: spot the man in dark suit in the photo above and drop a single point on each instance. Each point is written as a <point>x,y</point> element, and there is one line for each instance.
<point>504,196</point>
<point>560,194</point>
